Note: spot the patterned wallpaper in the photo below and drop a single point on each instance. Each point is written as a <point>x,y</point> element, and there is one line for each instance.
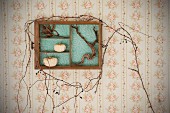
<point>120,90</point>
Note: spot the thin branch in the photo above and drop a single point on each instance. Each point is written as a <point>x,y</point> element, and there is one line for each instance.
<point>91,45</point>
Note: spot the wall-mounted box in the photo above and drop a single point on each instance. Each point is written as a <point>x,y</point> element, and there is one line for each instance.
<point>79,37</point>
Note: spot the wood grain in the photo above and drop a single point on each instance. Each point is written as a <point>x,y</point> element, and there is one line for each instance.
<point>37,45</point>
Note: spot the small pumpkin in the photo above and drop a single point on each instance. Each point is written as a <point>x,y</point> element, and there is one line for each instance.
<point>50,61</point>
<point>59,47</point>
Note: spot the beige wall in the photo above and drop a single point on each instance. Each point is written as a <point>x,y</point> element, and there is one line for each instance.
<point>120,91</point>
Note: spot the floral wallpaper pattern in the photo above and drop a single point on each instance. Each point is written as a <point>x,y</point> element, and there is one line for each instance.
<point>120,90</point>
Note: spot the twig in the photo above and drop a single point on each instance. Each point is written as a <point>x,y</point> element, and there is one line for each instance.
<point>91,45</point>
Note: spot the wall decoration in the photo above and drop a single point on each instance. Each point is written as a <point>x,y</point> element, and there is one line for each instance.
<point>77,44</point>
<point>114,88</point>
<point>52,61</point>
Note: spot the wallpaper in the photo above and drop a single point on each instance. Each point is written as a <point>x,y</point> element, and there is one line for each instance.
<point>120,89</point>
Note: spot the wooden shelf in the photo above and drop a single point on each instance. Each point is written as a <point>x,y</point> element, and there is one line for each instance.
<point>54,52</point>
<point>55,37</point>
<point>70,67</point>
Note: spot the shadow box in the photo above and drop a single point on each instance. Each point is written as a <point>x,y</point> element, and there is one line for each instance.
<point>67,44</point>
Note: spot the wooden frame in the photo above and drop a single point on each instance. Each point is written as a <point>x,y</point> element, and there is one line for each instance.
<point>37,44</point>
